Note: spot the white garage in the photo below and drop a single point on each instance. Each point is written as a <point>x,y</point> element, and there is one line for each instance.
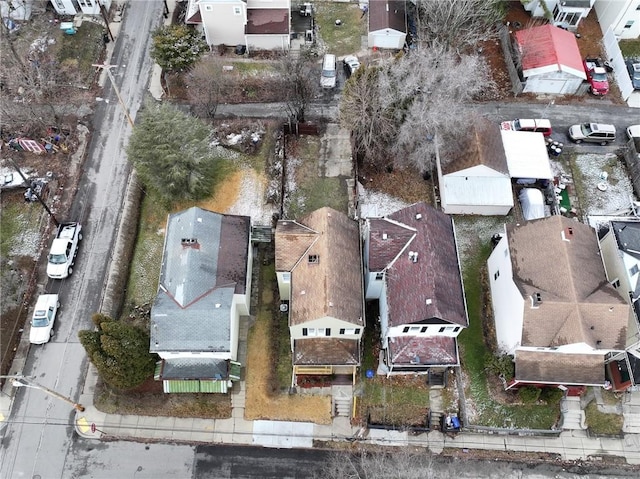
<point>387,24</point>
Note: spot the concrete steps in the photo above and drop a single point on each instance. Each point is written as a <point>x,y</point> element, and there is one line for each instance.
<point>572,414</point>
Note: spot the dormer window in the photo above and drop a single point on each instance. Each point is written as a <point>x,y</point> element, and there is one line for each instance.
<point>536,300</point>
<point>314,259</point>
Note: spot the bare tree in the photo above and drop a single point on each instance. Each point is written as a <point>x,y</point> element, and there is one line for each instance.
<point>395,110</point>
<point>369,115</point>
<point>299,82</point>
<point>458,24</point>
<point>445,84</point>
<point>206,85</point>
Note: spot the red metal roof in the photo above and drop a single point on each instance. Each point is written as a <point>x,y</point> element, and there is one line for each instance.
<point>548,45</point>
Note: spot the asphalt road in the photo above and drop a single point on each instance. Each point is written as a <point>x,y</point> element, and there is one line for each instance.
<point>37,439</point>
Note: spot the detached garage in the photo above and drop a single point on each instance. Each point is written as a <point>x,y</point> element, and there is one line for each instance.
<point>387,24</point>
<point>551,60</point>
<point>477,182</point>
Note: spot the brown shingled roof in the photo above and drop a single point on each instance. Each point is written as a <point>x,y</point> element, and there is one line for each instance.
<point>387,14</point>
<point>559,368</point>
<point>267,21</point>
<point>434,278</point>
<point>326,351</point>
<point>559,259</point>
<point>425,351</point>
<point>331,286</point>
<point>483,146</point>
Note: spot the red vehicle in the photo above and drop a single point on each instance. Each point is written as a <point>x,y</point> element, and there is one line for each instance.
<point>596,76</point>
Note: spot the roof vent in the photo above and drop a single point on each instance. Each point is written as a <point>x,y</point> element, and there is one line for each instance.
<point>413,256</point>
<point>419,216</point>
<point>567,233</point>
<point>190,243</point>
<point>428,301</point>
<point>536,300</point>
<point>218,305</point>
<point>385,236</point>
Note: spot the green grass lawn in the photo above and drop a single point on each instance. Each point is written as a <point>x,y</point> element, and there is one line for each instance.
<point>630,48</point>
<point>81,51</point>
<point>602,423</point>
<point>313,191</point>
<point>346,38</point>
<point>396,401</point>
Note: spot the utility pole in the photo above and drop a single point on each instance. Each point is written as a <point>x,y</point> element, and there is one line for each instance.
<point>107,68</point>
<point>19,380</point>
<point>105,17</point>
<point>24,178</point>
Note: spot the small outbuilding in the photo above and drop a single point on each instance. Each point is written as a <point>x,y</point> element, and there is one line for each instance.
<point>550,59</point>
<point>527,156</point>
<point>477,182</point>
<point>387,24</point>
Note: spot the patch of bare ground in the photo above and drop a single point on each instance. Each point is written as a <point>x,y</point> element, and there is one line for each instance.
<point>406,184</point>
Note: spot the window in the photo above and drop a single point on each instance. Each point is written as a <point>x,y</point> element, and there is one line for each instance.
<point>406,329</point>
<point>237,11</point>
<point>286,277</point>
<point>327,332</point>
<point>633,270</point>
<point>506,253</point>
<point>629,24</point>
<point>314,259</point>
<point>496,275</point>
<point>615,283</point>
<point>357,331</point>
<point>379,276</point>
<point>305,331</point>
<point>208,8</point>
<point>456,329</point>
<point>441,330</point>
<point>423,329</point>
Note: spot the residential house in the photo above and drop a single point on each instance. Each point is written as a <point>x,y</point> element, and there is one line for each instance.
<point>477,182</point>
<point>412,269</point>
<point>319,271</point>
<point>554,309</point>
<point>550,60</point>
<point>562,13</point>
<point>255,24</point>
<point>387,24</point>
<point>620,247</point>
<point>85,7</point>
<point>205,286</point>
<point>622,16</point>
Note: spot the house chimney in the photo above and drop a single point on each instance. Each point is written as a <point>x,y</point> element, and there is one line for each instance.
<point>567,233</point>
<point>190,243</point>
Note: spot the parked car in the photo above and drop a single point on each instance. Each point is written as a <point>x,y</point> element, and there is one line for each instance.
<point>633,132</point>
<point>633,67</point>
<point>592,133</point>
<point>43,318</point>
<point>539,125</point>
<point>596,76</point>
<point>351,64</point>
<point>329,71</point>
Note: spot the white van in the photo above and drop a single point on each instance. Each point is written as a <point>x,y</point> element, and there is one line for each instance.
<point>329,71</point>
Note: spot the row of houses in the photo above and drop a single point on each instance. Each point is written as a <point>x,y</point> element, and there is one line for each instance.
<point>564,297</point>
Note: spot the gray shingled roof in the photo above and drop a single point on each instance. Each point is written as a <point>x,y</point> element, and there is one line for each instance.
<point>204,265</point>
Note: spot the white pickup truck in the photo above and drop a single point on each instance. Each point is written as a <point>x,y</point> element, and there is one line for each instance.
<point>64,250</point>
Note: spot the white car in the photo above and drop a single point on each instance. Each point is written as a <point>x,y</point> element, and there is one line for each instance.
<point>43,318</point>
<point>351,64</point>
<point>633,132</point>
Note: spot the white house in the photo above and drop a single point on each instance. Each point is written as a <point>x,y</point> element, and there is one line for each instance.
<point>86,7</point>
<point>563,13</point>
<point>477,182</point>
<point>205,286</point>
<point>554,310</point>
<point>412,269</point>
<point>622,16</point>
<point>387,24</point>
<point>256,24</point>
<point>319,271</point>
<point>620,248</point>
<point>550,59</point>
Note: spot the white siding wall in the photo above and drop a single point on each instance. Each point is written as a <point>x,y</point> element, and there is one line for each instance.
<point>556,83</point>
<point>614,265</point>
<point>616,14</point>
<point>221,24</point>
<point>328,322</point>
<point>373,286</point>
<point>425,330</point>
<point>267,42</point>
<point>269,4</point>
<point>284,285</point>
<point>508,304</point>
<point>384,317</point>
<point>386,38</point>
<point>188,354</point>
